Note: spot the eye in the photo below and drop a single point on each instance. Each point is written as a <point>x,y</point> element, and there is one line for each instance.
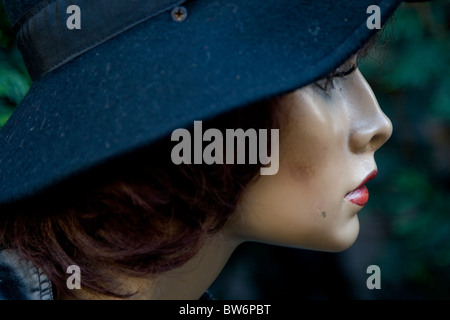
<point>341,72</point>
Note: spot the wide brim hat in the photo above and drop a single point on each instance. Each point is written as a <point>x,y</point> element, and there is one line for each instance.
<point>117,75</point>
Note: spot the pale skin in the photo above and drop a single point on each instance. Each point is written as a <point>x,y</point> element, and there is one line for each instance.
<point>327,145</point>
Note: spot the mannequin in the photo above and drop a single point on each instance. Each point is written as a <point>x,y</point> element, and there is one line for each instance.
<point>140,225</point>
<point>327,145</point>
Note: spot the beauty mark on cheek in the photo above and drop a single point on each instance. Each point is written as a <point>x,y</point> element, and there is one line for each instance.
<point>324,214</point>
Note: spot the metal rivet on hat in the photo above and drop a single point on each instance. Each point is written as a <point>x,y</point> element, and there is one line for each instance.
<point>179,14</point>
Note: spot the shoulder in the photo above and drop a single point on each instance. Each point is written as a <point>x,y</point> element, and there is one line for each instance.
<point>21,280</point>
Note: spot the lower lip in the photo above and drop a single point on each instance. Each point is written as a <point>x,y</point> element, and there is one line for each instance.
<point>359,196</point>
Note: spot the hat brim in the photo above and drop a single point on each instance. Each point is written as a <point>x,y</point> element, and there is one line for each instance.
<point>161,75</point>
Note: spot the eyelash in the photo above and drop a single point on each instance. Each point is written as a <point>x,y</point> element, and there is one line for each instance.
<point>342,74</point>
<point>335,74</point>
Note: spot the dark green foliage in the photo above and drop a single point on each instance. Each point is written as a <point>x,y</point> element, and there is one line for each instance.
<point>14,80</point>
<point>410,75</point>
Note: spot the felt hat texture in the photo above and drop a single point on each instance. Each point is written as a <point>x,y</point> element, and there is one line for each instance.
<point>162,73</point>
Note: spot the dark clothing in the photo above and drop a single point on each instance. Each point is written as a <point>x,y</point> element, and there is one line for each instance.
<point>21,280</point>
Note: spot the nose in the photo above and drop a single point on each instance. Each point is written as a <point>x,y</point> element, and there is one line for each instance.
<point>371,128</point>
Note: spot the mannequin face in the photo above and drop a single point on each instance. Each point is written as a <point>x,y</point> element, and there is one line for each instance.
<point>327,145</point>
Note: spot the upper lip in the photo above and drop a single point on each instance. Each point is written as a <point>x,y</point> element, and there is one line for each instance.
<point>369,177</point>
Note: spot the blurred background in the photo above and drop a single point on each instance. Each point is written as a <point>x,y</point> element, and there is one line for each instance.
<point>405,228</point>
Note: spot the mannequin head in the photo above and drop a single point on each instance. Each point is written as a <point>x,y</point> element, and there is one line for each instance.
<point>142,216</point>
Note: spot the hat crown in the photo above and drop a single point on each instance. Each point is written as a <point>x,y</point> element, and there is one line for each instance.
<point>15,9</point>
<point>45,35</point>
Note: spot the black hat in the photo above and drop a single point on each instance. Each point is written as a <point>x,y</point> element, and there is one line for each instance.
<point>112,76</point>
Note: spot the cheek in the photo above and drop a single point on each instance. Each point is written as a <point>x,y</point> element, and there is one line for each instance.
<point>315,177</point>
<point>305,167</point>
<point>314,146</point>
<point>280,211</point>
<point>311,190</point>
<point>312,139</point>
<point>310,159</point>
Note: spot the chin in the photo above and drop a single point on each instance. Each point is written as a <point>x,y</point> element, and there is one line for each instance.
<point>332,241</point>
<point>345,237</point>
<point>337,240</point>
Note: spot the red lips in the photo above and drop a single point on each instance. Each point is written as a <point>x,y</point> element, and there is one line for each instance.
<point>360,195</point>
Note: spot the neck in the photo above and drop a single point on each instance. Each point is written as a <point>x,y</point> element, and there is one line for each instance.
<point>188,282</point>
<point>192,279</point>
